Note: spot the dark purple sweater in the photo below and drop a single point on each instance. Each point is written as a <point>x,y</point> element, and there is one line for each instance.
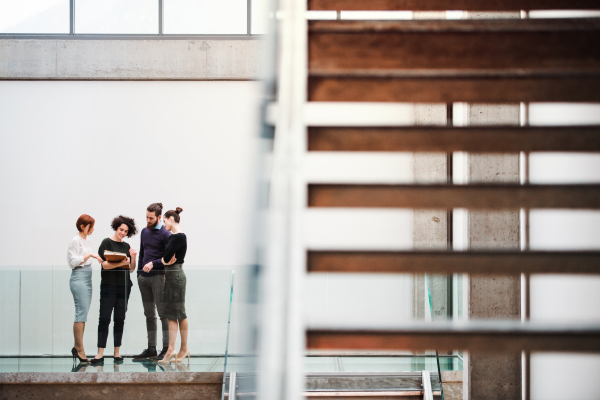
<point>152,248</point>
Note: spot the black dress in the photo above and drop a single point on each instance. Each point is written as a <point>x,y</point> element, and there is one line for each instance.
<point>175,280</point>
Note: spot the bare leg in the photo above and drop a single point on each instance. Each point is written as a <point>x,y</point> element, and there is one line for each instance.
<point>172,336</point>
<point>100,353</point>
<point>117,354</point>
<point>183,331</point>
<point>78,329</point>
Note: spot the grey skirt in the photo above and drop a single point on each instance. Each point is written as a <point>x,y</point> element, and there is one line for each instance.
<point>81,288</point>
<point>174,294</point>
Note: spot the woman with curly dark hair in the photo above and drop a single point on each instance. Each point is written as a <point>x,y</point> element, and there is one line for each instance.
<point>115,286</point>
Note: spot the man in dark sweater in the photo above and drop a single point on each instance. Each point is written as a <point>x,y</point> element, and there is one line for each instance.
<point>152,248</point>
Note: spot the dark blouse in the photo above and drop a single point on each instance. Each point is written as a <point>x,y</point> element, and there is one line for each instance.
<point>176,245</point>
<point>117,276</point>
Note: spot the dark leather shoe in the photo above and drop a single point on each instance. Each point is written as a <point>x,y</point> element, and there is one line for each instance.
<point>162,354</point>
<point>147,353</point>
<point>97,361</point>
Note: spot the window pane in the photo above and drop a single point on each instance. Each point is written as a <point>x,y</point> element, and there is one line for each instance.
<point>209,17</point>
<point>34,16</point>
<point>116,16</point>
<point>261,14</point>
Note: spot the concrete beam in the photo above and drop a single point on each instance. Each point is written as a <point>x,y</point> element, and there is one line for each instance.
<point>115,59</point>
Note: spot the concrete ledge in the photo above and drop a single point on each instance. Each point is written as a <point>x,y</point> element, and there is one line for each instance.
<point>116,385</point>
<point>44,59</point>
<point>171,391</point>
<point>110,377</point>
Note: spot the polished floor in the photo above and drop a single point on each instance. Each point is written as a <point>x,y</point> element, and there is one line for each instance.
<point>313,364</point>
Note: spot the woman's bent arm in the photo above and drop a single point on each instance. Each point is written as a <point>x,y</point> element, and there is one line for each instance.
<point>113,265</point>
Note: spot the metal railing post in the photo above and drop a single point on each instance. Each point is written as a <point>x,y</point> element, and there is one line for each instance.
<point>249,17</point>
<point>71,17</point>
<point>161,20</point>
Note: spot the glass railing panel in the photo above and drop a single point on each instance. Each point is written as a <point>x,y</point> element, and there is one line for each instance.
<point>451,362</point>
<point>387,364</point>
<point>36,311</point>
<point>207,294</point>
<point>9,364</point>
<point>439,299</point>
<point>446,300</point>
<point>229,370</point>
<point>383,364</point>
<point>63,310</point>
<point>241,359</point>
<point>38,304</point>
<point>320,364</point>
<point>208,300</point>
<point>9,312</point>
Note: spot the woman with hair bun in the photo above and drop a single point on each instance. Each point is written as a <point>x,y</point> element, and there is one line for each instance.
<point>115,287</point>
<point>174,293</point>
<point>79,257</point>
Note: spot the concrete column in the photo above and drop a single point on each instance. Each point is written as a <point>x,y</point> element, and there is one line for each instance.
<point>494,376</point>
<point>430,226</point>
<point>490,376</point>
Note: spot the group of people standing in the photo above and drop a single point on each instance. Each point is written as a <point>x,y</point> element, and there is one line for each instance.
<point>160,277</point>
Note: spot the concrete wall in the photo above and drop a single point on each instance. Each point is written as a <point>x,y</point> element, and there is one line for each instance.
<point>195,59</point>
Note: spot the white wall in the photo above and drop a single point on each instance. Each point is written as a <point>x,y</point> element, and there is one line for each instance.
<point>110,148</point>
<point>565,299</point>
<point>334,298</point>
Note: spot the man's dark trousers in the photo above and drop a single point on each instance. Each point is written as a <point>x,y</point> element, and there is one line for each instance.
<point>152,289</point>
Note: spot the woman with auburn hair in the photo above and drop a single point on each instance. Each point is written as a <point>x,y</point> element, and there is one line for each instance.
<point>174,292</point>
<point>116,285</point>
<point>79,258</point>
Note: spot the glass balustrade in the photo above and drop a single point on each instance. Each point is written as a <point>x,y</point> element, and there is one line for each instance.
<point>365,371</point>
<point>38,310</point>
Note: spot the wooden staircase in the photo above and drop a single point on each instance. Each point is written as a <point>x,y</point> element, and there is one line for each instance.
<point>435,61</point>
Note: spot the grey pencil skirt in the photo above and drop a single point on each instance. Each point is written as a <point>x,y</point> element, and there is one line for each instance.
<point>174,293</point>
<point>81,288</point>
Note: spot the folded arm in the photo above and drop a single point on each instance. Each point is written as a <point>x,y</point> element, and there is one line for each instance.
<point>113,265</point>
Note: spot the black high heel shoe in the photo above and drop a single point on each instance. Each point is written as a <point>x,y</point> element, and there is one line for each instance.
<point>76,356</point>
